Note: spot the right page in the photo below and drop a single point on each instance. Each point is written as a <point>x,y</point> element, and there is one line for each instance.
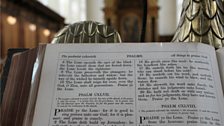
<point>180,87</point>
<point>220,57</point>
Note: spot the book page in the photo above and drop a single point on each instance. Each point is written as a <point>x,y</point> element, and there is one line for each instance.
<point>220,57</point>
<point>129,85</point>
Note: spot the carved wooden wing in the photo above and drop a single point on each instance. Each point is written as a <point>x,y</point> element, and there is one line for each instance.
<point>201,21</point>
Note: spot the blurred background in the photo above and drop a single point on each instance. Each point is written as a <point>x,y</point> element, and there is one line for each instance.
<point>26,23</point>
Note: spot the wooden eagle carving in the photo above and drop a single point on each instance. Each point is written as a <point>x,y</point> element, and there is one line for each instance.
<point>201,21</point>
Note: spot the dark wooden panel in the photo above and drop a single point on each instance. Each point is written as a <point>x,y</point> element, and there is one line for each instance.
<point>26,12</point>
<point>165,38</point>
<point>10,34</point>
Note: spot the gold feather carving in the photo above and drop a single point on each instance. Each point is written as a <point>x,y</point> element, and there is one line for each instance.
<point>201,21</point>
<point>87,32</point>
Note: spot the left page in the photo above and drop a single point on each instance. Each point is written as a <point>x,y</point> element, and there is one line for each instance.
<point>129,85</point>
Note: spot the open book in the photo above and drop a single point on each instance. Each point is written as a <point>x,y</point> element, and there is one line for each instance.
<point>128,85</point>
